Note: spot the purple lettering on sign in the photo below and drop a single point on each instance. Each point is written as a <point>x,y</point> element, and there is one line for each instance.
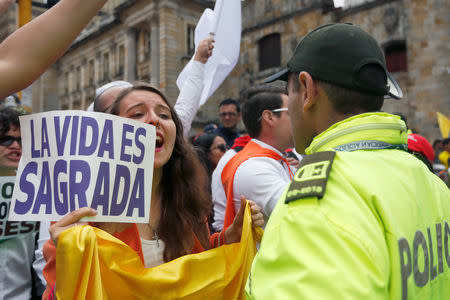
<point>27,187</point>
<point>137,198</point>
<point>44,195</point>
<point>84,149</point>
<point>44,138</point>
<point>139,132</point>
<point>78,188</point>
<point>34,153</point>
<point>99,198</point>
<point>60,191</point>
<point>73,144</point>
<point>116,207</point>
<point>61,137</point>
<point>126,142</point>
<point>107,140</point>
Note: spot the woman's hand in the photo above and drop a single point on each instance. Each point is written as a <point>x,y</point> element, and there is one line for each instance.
<point>233,233</point>
<point>204,50</point>
<point>69,221</point>
<point>293,162</point>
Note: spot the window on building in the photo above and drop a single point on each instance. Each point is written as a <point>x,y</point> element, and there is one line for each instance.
<point>91,72</point>
<point>269,51</point>
<point>148,44</point>
<point>143,48</point>
<point>396,58</point>
<point>121,59</point>
<point>78,78</point>
<point>268,5</point>
<point>66,83</point>
<point>190,40</point>
<point>106,66</point>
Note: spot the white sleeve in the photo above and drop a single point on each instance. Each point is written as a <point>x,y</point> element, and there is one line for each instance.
<point>188,101</point>
<point>262,180</point>
<point>219,198</point>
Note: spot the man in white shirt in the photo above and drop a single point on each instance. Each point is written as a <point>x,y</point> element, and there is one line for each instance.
<point>260,171</point>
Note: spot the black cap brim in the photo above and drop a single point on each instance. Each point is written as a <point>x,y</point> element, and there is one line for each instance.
<point>395,91</point>
<point>282,75</point>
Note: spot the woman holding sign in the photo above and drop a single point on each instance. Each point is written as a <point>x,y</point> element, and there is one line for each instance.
<point>179,204</point>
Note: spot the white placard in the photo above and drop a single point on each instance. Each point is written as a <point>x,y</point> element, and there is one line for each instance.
<point>72,159</point>
<point>11,229</point>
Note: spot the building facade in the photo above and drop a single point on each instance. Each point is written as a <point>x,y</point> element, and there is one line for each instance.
<point>152,40</point>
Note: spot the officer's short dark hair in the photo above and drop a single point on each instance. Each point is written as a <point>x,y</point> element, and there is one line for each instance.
<point>260,98</point>
<point>229,101</point>
<point>344,100</point>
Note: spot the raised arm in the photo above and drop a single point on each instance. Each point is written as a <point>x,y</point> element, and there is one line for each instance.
<point>188,101</point>
<point>30,50</point>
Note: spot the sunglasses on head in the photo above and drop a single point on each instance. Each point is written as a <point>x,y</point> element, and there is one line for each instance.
<point>275,111</point>
<point>8,140</point>
<point>221,147</point>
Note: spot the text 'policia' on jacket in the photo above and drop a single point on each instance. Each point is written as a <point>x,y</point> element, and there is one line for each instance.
<point>362,219</point>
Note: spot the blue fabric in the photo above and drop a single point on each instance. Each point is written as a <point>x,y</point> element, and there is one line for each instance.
<point>227,134</point>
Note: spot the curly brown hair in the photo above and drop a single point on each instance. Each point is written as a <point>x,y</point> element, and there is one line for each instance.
<point>185,204</point>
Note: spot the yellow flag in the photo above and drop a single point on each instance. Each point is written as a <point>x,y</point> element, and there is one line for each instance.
<point>444,125</point>
<point>92,264</point>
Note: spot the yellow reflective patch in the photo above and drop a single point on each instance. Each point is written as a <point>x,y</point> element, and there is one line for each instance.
<point>312,171</point>
<point>311,177</point>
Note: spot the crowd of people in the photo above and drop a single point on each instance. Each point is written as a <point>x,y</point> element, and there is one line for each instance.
<point>353,204</point>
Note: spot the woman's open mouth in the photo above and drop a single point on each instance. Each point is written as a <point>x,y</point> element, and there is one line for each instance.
<point>159,142</point>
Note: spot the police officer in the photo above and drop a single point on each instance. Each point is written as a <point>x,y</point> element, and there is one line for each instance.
<point>362,218</point>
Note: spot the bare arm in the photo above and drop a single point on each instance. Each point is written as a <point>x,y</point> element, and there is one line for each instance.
<point>30,50</point>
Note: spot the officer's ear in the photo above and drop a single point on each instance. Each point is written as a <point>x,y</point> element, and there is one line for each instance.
<point>309,91</point>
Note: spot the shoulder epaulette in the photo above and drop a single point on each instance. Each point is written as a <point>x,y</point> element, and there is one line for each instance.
<point>311,178</point>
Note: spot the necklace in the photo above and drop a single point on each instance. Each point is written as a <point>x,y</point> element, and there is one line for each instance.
<point>155,234</point>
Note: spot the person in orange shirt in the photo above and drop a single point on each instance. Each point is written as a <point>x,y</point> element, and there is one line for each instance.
<point>260,171</point>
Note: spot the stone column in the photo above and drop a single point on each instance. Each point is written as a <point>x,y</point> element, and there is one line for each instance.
<point>98,69</point>
<point>154,50</point>
<point>84,84</point>
<point>71,85</point>
<point>130,57</point>
<point>168,47</point>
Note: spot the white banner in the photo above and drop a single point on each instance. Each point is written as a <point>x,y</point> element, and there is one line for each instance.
<point>225,23</point>
<point>73,159</point>
<point>10,229</point>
